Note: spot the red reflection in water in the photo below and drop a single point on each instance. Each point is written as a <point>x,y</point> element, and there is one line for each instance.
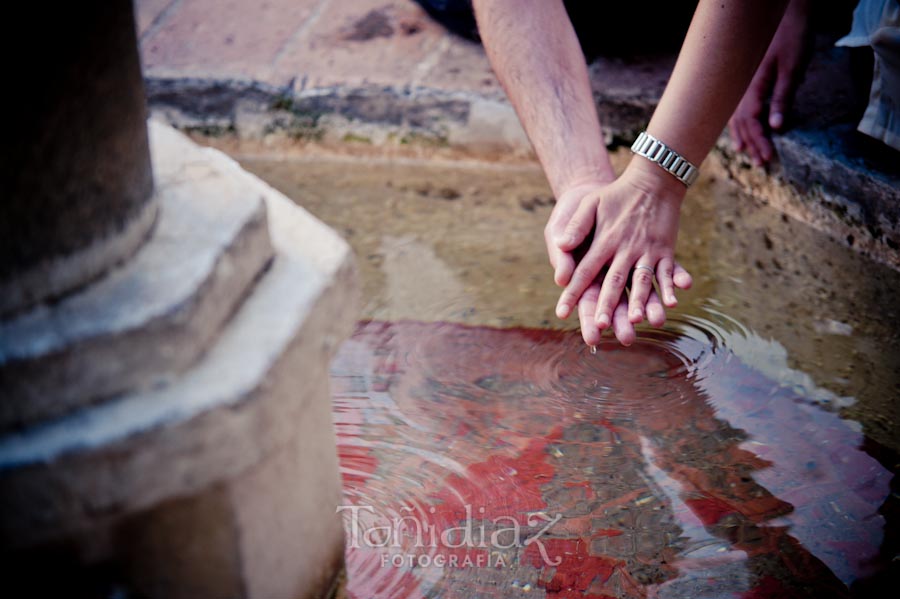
<point>494,463</point>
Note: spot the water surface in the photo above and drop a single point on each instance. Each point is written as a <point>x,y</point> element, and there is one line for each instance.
<point>747,450</point>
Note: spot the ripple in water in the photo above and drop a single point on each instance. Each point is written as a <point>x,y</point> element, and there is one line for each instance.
<point>483,462</point>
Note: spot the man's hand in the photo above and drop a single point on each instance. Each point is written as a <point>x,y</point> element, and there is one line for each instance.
<point>563,262</point>
<point>776,81</point>
<point>622,325</point>
<point>635,222</point>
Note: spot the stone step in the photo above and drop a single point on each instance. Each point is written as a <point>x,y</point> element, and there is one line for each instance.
<point>257,389</point>
<point>153,316</point>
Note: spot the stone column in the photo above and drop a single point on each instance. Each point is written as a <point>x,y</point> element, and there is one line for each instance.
<point>75,165</point>
<point>165,420</point>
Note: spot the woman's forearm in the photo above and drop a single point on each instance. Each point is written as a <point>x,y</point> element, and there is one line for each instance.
<point>724,45</point>
<point>534,52</point>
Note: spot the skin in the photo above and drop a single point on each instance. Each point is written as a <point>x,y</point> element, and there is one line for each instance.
<point>535,53</point>
<point>771,92</point>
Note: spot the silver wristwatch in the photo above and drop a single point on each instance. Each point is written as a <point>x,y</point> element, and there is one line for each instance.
<point>656,151</point>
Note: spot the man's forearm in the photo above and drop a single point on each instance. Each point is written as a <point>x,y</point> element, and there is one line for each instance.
<point>534,52</point>
<point>724,45</point>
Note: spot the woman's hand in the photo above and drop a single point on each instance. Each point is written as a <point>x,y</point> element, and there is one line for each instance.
<point>772,89</point>
<point>635,221</point>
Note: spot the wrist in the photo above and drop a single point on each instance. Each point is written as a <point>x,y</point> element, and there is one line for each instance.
<point>584,177</point>
<point>652,179</point>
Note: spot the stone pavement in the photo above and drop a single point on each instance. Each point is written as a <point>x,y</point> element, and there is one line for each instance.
<point>217,66</point>
<point>381,76</point>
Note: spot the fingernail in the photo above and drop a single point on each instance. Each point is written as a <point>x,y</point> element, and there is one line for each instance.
<point>636,313</point>
<point>603,321</point>
<point>562,310</point>
<point>776,119</point>
<point>671,298</point>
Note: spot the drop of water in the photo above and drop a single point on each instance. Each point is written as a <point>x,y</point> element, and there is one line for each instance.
<point>593,349</point>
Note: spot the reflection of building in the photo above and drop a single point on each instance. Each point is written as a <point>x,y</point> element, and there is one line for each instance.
<point>659,493</point>
<point>165,422</point>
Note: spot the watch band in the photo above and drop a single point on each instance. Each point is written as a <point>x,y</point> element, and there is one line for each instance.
<point>656,151</point>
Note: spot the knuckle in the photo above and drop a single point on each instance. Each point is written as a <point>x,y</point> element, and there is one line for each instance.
<point>643,277</point>
<point>616,279</point>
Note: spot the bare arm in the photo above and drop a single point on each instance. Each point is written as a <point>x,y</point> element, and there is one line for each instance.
<point>637,216</point>
<point>535,54</point>
<point>724,45</point>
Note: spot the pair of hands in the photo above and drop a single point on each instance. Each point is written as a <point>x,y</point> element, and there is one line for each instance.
<point>598,232</point>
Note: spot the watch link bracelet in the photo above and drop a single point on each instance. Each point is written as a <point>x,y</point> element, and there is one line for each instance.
<point>656,151</point>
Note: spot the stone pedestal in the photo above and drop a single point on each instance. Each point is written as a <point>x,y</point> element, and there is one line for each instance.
<point>165,419</point>
<point>182,443</point>
<point>74,162</point>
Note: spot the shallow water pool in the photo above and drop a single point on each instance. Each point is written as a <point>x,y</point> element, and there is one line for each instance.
<point>746,450</point>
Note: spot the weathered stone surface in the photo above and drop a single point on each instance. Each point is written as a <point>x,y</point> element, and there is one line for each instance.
<point>364,42</point>
<point>252,395</point>
<point>463,65</point>
<point>384,71</point>
<point>815,183</point>
<point>270,532</point>
<point>227,40</point>
<point>627,91</point>
<point>826,159</point>
<point>152,12</point>
<point>292,537</point>
<point>150,319</point>
<point>74,164</point>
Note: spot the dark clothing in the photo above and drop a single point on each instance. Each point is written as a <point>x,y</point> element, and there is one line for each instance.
<point>603,28</point>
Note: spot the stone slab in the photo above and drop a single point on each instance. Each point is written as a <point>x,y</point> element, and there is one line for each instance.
<point>291,534</point>
<point>245,399</point>
<point>462,65</point>
<point>151,318</point>
<point>151,12</point>
<point>363,42</point>
<point>272,531</point>
<point>865,177</point>
<point>627,91</point>
<point>232,39</point>
<point>383,64</point>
